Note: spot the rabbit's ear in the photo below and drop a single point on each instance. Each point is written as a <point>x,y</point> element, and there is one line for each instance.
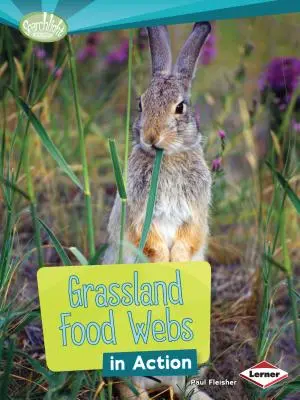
<point>189,54</point>
<point>159,42</point>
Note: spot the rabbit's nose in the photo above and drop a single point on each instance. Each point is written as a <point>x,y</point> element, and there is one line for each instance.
<point>150,139</point>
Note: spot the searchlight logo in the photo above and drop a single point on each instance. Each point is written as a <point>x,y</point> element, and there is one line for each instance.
<point>43,27</point>
<point>264,374</point>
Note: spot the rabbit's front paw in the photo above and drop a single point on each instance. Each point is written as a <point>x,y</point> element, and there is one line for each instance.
<point>180,252</point>
<point>156,249</point>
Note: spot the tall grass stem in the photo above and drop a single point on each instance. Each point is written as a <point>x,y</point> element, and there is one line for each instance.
<point>122,193</point>
<point>86,182</point>
<point>127,133</point>
<point>126,153</point>
<point>33,206</point>
<point>294,308</point>
<point>289,277</point>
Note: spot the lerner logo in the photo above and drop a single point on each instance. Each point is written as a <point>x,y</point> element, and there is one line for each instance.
<point>43,27</point>
<point>264,374</point>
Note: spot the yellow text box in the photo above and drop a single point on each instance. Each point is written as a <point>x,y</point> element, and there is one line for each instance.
<point>91,310</point>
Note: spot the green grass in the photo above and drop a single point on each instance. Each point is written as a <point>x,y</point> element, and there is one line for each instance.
<point>57,169</point>
<point>84,161</point>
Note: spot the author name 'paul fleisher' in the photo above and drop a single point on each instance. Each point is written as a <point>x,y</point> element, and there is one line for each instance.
<point>213,382</point>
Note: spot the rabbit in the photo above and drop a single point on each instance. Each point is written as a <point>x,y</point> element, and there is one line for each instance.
<point>166,120</point>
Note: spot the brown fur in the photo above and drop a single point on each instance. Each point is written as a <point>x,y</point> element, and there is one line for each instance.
<point>155,248</point>
<point>188,241</point>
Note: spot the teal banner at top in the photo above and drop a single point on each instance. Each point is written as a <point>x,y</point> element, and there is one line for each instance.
<point>98,15</point>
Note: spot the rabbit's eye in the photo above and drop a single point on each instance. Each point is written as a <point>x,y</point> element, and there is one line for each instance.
<point>140,105</point>
<point>179,108</point>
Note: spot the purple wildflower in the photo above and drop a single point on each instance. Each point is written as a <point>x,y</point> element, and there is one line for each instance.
<point>216,164</point>
<point>209,50</point>
<point>282,77</point>
<point>221,134</point>
<point>58,72</point>
<point>282,107</point>
<point>90,49</point>
<point>119,55</point>
<point>40,53</point>
<point>296,125</point>
<point>50,64</point>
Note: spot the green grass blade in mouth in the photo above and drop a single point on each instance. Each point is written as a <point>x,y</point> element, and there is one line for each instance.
<point>151,200</point>
<point>46,140</point>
